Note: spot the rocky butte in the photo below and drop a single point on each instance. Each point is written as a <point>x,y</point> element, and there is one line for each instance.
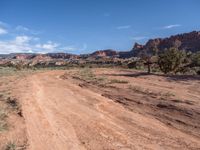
<point>187,41</point>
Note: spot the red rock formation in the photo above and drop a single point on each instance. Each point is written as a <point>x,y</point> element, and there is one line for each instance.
<point>22,56</point>
<point>104,53</point>
<point>187,41</point>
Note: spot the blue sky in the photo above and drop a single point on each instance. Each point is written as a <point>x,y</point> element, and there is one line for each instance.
<point>83,26</point>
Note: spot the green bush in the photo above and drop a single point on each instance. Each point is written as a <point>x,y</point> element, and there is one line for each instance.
<point>171,60</point>
<point>196,59</point>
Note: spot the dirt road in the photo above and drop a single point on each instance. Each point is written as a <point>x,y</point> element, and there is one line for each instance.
<point>60,115</point>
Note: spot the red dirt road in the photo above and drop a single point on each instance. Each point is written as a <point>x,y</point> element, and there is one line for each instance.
<point>60,115</point>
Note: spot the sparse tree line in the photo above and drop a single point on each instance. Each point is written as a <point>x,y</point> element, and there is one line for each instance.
<point>170,60</point>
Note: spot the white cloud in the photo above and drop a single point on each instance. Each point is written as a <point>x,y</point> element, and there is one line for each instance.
<point>3,31</point>
<point>22,39</point>
<point>3,24</point>
<point>21,28</point>
<point>139,38</point>
<point>19,45</point>
<point>23,43</point>
<point>171,26</point>
<point>123,27</point>
<point>29,44</point>
<point>69,48</point>
<point>47,47</point>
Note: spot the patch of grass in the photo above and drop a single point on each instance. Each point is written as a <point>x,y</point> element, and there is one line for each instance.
<point>136,88</point>
<point>11,71</point>
<point>168,94</point>
<point>101,79</point>
<point>87,74</point>
<point>3,115</point>
<point>6,71</point>
<point>149,92</point>
<point>118,81</point>
<point>141,90</point>
<point>3,126</point>
<point>10,146</point>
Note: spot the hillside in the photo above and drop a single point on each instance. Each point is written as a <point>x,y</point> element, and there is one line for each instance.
<point>187,41</point>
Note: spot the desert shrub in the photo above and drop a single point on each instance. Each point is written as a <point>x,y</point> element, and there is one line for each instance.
<point>198,72</point>
<point>132,64</point>
<point>171,60</point>
<point>149,58</point>
<point>19,66</point>
<point>135,63</point>
<point>10,146</point>
<point>196,59</point>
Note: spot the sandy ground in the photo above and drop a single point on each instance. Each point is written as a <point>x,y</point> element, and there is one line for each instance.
<point>60,114</point>
<point>15,131</point>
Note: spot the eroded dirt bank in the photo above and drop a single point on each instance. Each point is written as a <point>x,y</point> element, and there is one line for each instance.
<point>60,114</point>
<point>173,100</point>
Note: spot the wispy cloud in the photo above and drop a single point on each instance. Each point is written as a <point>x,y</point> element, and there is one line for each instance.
<point>21,28</point>
<point>123,27</point>
<point>19,44</point>
<point>49,46</point>
<point>30,44</point>
<point>73,48</point>
<point>84,47</point>
<point>69,48</point>
<point>21,39</point>
<point>171,26</point>
<point>3,31</point>
<point>139,38</point>
<point>3,24</point>
<point>27,44</point>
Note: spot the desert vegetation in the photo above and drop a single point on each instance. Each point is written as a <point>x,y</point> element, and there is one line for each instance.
<point>170,61</point>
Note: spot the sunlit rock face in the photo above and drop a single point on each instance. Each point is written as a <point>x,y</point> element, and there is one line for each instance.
<point>187,41</point>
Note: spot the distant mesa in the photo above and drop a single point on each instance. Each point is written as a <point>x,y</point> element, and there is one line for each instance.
<point>105,53</point>
<point>187,41</point>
